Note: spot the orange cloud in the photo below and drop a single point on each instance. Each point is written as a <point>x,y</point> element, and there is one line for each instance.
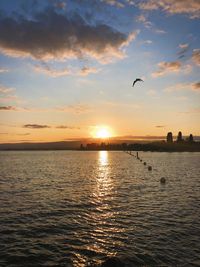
<point>51,72</point>
<point>166,68</point>
<point>196,56</point>
<point>191,8</point>
<point>184,86</point>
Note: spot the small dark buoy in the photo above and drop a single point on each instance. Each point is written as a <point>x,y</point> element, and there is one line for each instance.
<point>145,163</point>
<point>149,168</point>
<point>163,180</point>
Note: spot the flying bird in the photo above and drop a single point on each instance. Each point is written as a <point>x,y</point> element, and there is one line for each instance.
<point>137,80</point>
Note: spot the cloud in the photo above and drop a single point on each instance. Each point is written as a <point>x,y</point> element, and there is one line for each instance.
<point>114,3</point>
<point>76,109</point>
<point>191,8</point>
<point>183,49</point>
<point>60,5</point>
<point>196,56</point>
<point>130,2</point>
<point>35,126</point>
<point>160,31</point>
<point>8,108</point>
<point>51,72</point>
<point>39,126</point>
<point>45,69</point>
<point>143,19</point>
<point>183,46</point>
<point>67,127</point>
<point>12,108</point>
<point>148,42</point>
<point>5,90</point>
<point>196,86</point>
<point>51,35</point>
<point>87,70</point>
<point>148,24</point>
<point>184,86</point>
<point>23,134</point>
<point>3,70</point>
<point>166,68</point>
<point>160,126</point>
<point>11,98</point>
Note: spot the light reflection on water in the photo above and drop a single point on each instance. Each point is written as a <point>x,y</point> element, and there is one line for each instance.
<point>62,207</point>
<point>103,177</point>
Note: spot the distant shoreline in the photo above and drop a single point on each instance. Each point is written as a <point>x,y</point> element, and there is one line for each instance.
<point>156,146</point>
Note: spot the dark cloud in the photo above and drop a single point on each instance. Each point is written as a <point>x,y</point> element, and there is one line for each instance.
<point>183,50</point>
<point>7,108</point>
<point>67,127</point>
<point>196,86</point>
<point>51,35</point>
<point>160,126</point>
<point>36,126</point>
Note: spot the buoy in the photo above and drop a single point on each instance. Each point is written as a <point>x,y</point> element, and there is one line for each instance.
<point>162,180</point>
<point>149,168</point>
<point>145,163</point>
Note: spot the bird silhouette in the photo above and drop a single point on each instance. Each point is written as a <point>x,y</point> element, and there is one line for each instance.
<point>137,80</point>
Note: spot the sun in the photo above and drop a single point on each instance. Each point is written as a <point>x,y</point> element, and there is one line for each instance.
<point>102,132</point>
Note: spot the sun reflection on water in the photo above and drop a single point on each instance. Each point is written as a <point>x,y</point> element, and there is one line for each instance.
<point>103,158</point>
<point>103,179</point>
<point>102,217</point>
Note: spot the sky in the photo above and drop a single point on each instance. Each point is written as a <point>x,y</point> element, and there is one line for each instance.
<point>67,68</point>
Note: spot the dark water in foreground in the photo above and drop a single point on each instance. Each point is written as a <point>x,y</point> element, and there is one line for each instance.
<point>64,208</point>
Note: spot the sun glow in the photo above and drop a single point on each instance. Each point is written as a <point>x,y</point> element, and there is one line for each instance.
<point>102,132</point>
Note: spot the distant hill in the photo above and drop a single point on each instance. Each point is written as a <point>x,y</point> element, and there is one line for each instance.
<point>63,145</point>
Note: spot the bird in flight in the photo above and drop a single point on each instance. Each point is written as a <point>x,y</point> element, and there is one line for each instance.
<point>137,80</point>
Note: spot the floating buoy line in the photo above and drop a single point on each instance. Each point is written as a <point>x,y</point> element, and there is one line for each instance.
<point>149,167</point>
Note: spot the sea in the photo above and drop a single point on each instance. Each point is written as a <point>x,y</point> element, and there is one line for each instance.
<point>99,208</point>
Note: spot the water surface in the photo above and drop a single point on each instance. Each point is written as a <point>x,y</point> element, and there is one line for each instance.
<point>74,208</point>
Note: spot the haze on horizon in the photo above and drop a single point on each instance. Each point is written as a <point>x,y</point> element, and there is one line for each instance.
<point>67,68</point>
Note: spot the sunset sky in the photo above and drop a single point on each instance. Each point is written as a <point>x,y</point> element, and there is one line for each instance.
<point>67,68</point>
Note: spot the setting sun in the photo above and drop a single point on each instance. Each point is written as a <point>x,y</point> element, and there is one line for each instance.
<point>102,132</point>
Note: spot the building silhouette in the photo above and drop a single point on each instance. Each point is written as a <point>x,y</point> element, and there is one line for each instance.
<point>191,139</point>
<point>179,137</point>
<point>169,137</point>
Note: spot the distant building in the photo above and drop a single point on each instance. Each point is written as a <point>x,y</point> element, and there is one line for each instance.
<point>179,137</point>
<point>169,137</point>
<point>191,139</point>
<point>82,147</point>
